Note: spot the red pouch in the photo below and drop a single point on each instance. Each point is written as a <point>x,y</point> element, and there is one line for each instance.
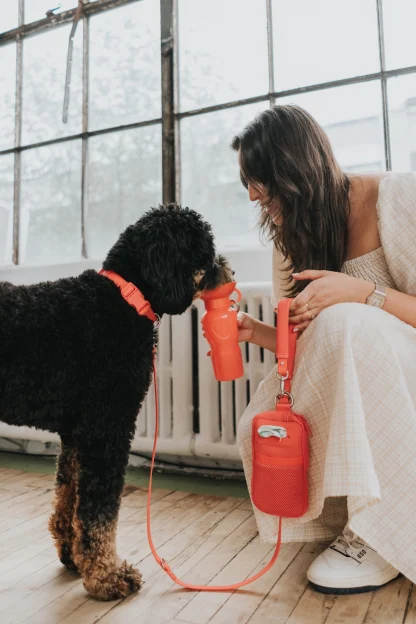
<point>279,484</point>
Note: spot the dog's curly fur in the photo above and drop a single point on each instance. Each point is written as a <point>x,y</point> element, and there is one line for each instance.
<point>76,359</point>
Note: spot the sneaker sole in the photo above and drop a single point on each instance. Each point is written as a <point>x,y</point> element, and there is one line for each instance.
<point>349,590</point>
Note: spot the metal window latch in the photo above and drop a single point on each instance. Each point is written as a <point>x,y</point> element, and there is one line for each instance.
<point>51,12</point>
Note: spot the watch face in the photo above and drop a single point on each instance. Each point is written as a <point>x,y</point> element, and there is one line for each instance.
<point>377,300</point>
<point>377,297</point>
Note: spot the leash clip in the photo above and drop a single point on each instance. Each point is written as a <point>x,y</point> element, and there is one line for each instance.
<point>157,322</point>
<point>282,379</point>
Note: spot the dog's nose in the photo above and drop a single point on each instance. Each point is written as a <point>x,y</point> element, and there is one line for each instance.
<point>233,272</point>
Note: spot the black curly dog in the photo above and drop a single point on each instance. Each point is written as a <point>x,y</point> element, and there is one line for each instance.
<point>76,359</point>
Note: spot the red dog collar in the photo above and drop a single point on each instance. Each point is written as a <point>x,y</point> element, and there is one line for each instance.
<point>132,295</point>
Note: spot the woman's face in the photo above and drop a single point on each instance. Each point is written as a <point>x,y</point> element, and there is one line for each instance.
<point>257,193</point>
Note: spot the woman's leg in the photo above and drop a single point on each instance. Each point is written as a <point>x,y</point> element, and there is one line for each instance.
<point>353,382</point>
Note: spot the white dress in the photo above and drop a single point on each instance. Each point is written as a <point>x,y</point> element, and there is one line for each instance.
<point>355,382</point>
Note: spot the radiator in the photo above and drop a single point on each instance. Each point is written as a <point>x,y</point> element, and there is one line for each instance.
<point>198,415</point>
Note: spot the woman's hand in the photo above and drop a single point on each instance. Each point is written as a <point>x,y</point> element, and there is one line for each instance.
<point>325,289</point>
<point>246,324</point>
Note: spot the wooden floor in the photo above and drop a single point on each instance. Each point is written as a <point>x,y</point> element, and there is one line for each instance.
<point>206,539</point>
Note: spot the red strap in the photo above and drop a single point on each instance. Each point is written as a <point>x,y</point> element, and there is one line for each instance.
<point>285,344</point>
<point>131,294</point>
<point>163,564</point>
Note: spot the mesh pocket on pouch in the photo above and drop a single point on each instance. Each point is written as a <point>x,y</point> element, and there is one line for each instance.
<point>280,490</point>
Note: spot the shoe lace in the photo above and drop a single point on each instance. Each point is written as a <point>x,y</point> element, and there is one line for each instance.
<point>345,542</point>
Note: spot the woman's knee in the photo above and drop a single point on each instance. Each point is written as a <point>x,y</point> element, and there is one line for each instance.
<point>343,316</point>
<point>344,323</point>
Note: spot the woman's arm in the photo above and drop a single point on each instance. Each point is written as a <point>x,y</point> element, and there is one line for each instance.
<point>401,305</point>
<point>264,336</point>
<point>255,331</point>
<point>328,288</point>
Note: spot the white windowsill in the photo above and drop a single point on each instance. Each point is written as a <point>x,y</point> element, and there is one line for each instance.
<point>250,265</point>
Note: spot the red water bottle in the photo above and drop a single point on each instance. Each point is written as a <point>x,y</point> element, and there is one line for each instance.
<point>221,330</point>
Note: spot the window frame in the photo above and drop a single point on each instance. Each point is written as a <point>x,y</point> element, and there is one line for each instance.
<point>171,116</point>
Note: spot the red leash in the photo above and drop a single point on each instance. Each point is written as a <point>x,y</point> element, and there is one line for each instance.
<point>134,297</point>
<point>163,564</point>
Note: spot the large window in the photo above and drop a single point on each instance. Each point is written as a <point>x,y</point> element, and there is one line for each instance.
<point>158,90</point>
<point>68,189</point>
<point>350,64</point>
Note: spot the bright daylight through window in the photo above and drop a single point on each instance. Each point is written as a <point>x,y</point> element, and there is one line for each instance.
<point>68,189</point>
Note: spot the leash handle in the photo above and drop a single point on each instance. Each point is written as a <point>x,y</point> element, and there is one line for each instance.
<point>285,351</point>
<point>163,564</point>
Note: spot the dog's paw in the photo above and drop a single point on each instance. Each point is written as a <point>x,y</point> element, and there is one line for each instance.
<point>65,557</point>
<point>68,563</point>
<point>117,583</point>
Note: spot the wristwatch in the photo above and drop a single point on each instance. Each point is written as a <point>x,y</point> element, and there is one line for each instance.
<point>377,297</point>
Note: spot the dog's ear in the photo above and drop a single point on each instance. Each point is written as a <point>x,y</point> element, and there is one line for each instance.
<point>171,278</point>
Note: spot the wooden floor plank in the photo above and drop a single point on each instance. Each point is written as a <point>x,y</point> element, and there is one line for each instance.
<point>56,610</point>
<point>23,512</point>
<point>158,588</point>
<point>14,574</point>
<point>24,534</point>
<point>246,504</point>
<point>16,489</point>
<point>168,606</point>
<point>312,607</point>
<point>188,521</point>
<point>25,478</point>
<point>12,498</point>
<point>26,552</point>
<point>55,589</point>
<point>284,596</point>
<point>411,607</point>
<point>350,609</point>
<point>19,600</point>
<point>205,539</point>
<point>242,604</point>
<point>389,603</point>
<point>204,605</point>
<point>35,592</point>
<point>182,551</point>
<point>138,498</point>
<point>10,473</point>
<point>172,521</point>
<point>177,495</point>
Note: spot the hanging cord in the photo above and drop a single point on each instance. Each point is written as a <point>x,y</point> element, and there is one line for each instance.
<point>77,16</point>
<point>163,564</point>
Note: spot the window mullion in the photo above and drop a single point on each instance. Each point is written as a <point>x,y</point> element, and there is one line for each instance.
<point>168,112</point>
<point>270,51</point>
<point>18,136</point>
<point>385,106</point>
<point>85,82</point>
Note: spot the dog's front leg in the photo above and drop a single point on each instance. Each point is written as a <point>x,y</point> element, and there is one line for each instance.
<point>60,523</point>
<point>102,465</point>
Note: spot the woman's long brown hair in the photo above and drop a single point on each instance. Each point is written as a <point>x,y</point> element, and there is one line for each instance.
<point>286,153</point>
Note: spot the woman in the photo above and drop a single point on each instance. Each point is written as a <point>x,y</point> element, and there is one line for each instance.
<point>344,247</point>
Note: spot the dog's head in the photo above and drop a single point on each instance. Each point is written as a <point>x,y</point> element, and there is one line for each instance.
<point>169,254</point>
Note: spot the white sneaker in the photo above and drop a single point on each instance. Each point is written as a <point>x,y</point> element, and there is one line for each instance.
<point>349,566</point>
